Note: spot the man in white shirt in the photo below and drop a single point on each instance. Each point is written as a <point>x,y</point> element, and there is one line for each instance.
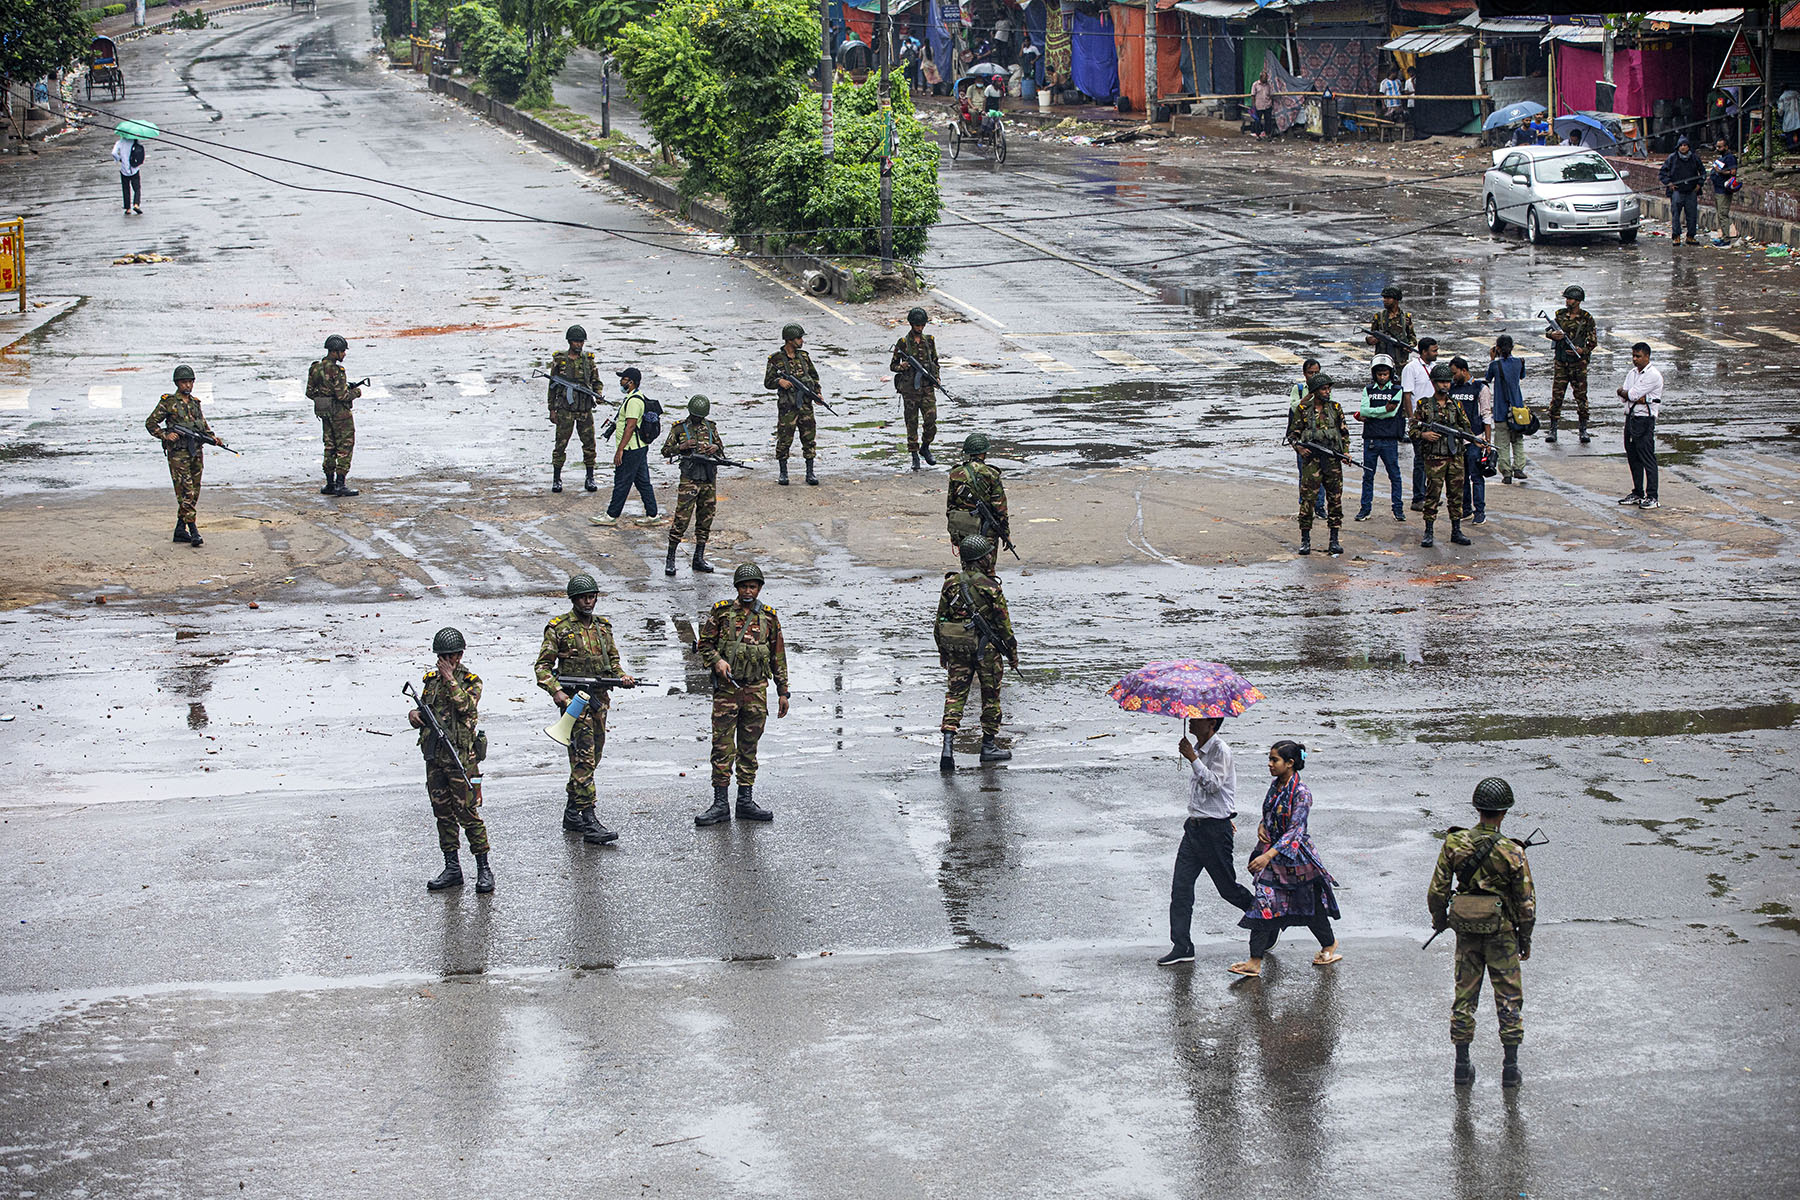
<point>1415,383</point>
<point>131,183</point>
<point>1206,837</point>
<point>1642,394</point>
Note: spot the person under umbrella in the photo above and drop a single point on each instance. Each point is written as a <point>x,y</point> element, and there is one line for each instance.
<point>1292,887</point>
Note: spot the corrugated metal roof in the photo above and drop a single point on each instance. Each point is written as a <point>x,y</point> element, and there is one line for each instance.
<point>1516,26</point>
<point>1222,10</point>
<point>1706,18</point>
<point>1575,35</point>
<point>1430,41</point>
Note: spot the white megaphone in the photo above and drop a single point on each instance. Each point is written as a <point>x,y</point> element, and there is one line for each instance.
<point>563,731</point>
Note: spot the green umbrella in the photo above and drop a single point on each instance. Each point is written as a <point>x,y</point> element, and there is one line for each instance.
<point>139,130</point>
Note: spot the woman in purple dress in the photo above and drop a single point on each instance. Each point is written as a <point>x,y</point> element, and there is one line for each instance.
<point>1291,885</point>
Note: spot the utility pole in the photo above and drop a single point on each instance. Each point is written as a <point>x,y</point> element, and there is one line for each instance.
<point>1150,96</point>
<point>883,40</point>
<point>1768,86</point>
<point>825,73</point>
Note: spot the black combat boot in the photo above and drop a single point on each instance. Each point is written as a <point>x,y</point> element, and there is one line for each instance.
<point>572,818</point>
<point>747,807</point>
<point>700,564</point>
<point>1457,536</point>
<point>588,484</point>
<point>1582,431</point>
<point>193,537</point>
<point>810,477</point>
<point>915,456</point>
<point>1429,539</point>
<point>340,488</point>
<point>669,563</point>
<point>1509,1068</point>
<point>991,752</point>
<point>947,757</point>
<point>782,462</point>
<point>720,809</point>
<point>556,479</point>
<point>925,453</point>
<point>1550,432</point>
<point>450,877</point>
<point>1306,541</point>
<point>484,878</point>
<point>181,533</point>
<point>1336,546</point>
<point>1464,1075</point>
<point>594,833</point>
<point>330,484</point>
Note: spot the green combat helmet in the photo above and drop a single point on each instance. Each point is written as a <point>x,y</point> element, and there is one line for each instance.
<point>791,331</point>
<point>699,406</point>
<point>1319,383</point>
<point>747,573</point>
<point>975,445</point>
<point>334,342</point>
<point>1575,293</point>
<point>974,548</point>
<point>448,641</point>
<point>583,585</point>
<point>575,333</point>
<point>184,374</point>
<point>1441,373</point>
<point>1390,292</point>
<point>917,316</point>
<point>1493,794</point>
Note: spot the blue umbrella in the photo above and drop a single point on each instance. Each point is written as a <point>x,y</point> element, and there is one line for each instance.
<point>1608,136</point>
<point>1512,114</point>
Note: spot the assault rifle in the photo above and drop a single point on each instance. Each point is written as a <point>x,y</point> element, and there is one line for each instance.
<point>1327,451</point>
<point>991,520</point>
<point>986,633</point>
<point>712,461</point>
<point>919,367</point>
<point>583,687</point>
<point>193,437</point>
<point>1453,433</point>
<point>1537,838</point>
<point>361,383</point>
<point>1388,339</point>
<point>441,739</point>
<point>569,385</point>
<point>592,683</point>
<point>1567,352</point>
<point>800,386</point>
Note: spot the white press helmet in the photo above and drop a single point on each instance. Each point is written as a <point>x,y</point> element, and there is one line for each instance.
<point>1382,360</point>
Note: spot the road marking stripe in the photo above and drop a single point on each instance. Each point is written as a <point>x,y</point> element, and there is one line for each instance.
<point>1126,359</point>
<point>1727,343</point>
<point>786,286</point>
<point>1665,347</point>
<point>1199,354</point>
<point>968,308</point>
<point>1276,354</point>
<point>106,395</point>
<point>1047,362</point>
<point>671,374</point>
<point>288,391</point>
<point>471,383</point>
<point>1783,334</point>
<point>15,399</point>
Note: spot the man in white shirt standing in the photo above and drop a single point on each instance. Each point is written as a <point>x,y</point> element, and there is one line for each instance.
<point>1415,383</point>
<point>129,154</point>
<point>1642,394</point>
<point>1206,837</point>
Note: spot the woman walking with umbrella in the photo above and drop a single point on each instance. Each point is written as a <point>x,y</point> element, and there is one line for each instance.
<point>1292,887</point>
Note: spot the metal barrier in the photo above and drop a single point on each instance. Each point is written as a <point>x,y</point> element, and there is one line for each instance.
<point>12,258</point>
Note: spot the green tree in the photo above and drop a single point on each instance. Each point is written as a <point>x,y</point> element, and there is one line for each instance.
<point>42,38</point>
<point>505,66</point>
<point>596,22</point>
<point>473,27</point>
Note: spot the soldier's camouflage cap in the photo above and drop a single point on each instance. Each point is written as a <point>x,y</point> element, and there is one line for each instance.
<point>791,331</point>
<point>974,548</point>
<point>583,585</point>
<point>184,372</point>
<point>974,444</point>
<point>1442,373</point>
<point>1493,794</point>
<point>917,316</point>
<point>699,406</point>
<point>746,573</point>
<point>448,641</point>
<point>575,333</point>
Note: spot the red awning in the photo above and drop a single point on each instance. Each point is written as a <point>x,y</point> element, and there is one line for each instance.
<point>1440,8</point>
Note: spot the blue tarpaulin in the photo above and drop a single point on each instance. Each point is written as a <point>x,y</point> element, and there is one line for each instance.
<point>942,16</point>
<point>1093,59</point>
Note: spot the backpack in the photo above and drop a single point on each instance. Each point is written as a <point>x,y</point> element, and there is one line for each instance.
<point>1471,911</point>
<point>650,426</point>
<point>137,154</point>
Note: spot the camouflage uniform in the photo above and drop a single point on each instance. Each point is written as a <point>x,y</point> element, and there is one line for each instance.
<point>953,610</point>
<point>795,413</point>
<point>918,395</point>
<point>454,702</point>
<point>1400,326</point>
<point>329,389</point>
<point>1504,873</point>
<point>1578,332</point>
<point>570,410</point>
<point>577,645</point>
<point>699,487</point>
<point>969,480</point>
<point>185,464</point>
<point>1444,458</point>
<point>749,641</point>
<point>1321,420</point>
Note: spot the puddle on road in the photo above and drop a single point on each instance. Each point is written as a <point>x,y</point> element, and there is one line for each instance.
<point>1638,725</point>
<point>28,451</point>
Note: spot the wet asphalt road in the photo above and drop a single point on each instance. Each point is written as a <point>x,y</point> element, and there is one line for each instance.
<point>222,968</point>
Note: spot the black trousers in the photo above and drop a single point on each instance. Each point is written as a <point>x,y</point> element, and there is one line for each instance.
<point>634,471</point>
<point>133,188</point>
<point>1640,452</point>
<point>1263,934</point>
<point>1205,846</point>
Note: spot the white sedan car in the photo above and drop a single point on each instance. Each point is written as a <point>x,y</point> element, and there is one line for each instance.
<point>1553,190</point>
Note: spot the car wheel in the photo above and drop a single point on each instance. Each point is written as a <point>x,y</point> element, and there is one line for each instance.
<point>1533,233</point>
<point>1494,223</point>
<point>1628,236</point>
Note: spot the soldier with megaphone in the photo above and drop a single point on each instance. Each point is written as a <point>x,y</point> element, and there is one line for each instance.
<point>578,665</point>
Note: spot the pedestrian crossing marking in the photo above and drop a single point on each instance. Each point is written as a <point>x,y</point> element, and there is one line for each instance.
<point>1276,354</point>
<point>1784,334</point>
<point>1047,362</point>
<point>471,383</point>
<point>1126,359</point>
<point>670,374</point>
<point>375,392</point>
<point>1664,347</point>
<point>106,395</point>
<point>961,364</point>
<point>853,369</point>
<point>1727,343</point>
<point>1199,354</point>
<point>15,399</point>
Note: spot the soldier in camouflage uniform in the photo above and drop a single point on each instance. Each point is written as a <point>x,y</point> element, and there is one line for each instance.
<point>453,693</point>
<point>1395,323</point>
<point>580,642</point>
<point>1443,455</point>
<point>572,410</point>
<point>962,653</point>
<point>741,644</point>
<point>1486,863</point>
<point>1321,420</point>
<point>970,480</point>
<point>180,407</point>
<point>794,409</point>
<point>918,395</point>
<point>1575,331</point>
<point>329,389</point>
<point>699,480</point>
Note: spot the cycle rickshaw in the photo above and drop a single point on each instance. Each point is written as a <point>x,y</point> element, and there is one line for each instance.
<point>973,122</point>
<point>103,69</point>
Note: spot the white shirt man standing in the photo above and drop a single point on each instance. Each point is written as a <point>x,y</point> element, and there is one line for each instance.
<point>1415,382</point>
<point>1642,394</point>
<point>1206,836</point>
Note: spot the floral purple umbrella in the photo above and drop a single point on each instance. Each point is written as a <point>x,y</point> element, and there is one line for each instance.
<point>1186,688</point>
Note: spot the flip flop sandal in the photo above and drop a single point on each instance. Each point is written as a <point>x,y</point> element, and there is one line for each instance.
<point>1247,972</point>
<point>1323,959</point>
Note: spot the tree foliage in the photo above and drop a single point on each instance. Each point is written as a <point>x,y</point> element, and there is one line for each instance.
<point>505,66</point>
<point>42,38</point>
<point>596,22</point>
<point>714,78</point>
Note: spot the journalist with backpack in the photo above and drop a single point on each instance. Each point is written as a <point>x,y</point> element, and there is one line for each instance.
<point>631,430</point>
<point>129,154</point>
